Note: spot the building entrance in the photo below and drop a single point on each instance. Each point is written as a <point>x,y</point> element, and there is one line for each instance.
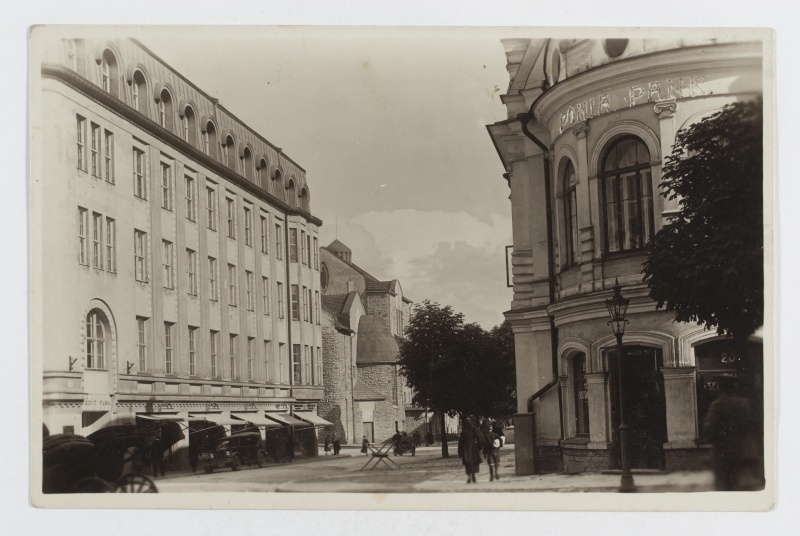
<point>645,406</point>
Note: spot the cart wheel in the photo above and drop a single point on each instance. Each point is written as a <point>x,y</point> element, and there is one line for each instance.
<point>262,459</point>
<point>135,483</point>
<point>90,484</point>
<point>209,469</point>
<point>236,463</point>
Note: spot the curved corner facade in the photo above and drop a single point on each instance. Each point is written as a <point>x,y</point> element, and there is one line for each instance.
<point>607,112</point>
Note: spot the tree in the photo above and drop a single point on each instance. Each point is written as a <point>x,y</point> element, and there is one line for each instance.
<point>455,368</point>
<point>707,263</point>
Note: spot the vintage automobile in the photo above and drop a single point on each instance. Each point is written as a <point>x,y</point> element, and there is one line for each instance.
<point>235,451</point>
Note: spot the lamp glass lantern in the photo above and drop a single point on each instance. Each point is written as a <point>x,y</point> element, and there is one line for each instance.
<point>617,310</point>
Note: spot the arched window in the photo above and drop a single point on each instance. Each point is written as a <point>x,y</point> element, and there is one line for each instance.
<point>304,199</point>
<point>165,113</point>
<point>109,76</point>
<point>96,338</point>
<point>263,174</point>
<point>627,193</point>
<point>189,126</point>
<point>580,394</point>
<point>277,185</point>
<point>291,196</point>
<point>139,92</point>
<point>210,140</point>
<point>247,164</point>
<point>323,277</point>
<point>569,182</point>
<point>229,152</point>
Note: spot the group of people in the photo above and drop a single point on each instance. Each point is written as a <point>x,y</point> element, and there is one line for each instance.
<point>475,442</point>
<point>332,440</point>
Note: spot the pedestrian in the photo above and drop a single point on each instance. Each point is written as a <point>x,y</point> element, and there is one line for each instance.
<point>429,438</point>
<point>470,445</point>
<point>731,427</point>
<point>492,451</point>
<point>327,443</point>
<point>280,447</point>
<point>157,457</point>
<point>415,438</point>
<point>194,456</point>
<point>365,446</point>
<point>337,445</point>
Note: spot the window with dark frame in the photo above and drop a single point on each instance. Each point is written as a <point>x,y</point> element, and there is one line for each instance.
<point>569,183</point>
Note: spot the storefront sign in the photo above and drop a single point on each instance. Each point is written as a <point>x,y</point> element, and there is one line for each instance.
<point>653,91</point>
<point>101,402</point>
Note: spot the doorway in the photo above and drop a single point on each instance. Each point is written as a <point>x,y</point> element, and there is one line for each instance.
<point>645,406</point>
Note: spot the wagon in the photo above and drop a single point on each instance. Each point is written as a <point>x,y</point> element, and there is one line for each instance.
<point>103,462</point>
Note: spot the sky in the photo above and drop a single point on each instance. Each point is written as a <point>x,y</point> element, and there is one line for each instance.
<point>390,127</point>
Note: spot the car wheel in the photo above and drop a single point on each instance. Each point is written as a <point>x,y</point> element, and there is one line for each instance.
<point>236,463</point>
<point>262,459</point>
<point>209,469</point>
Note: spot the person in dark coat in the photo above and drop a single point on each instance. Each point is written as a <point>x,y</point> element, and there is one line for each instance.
<point>157,457</point>
<point>365,445</point>
<point>492,452</point>
<point>470,445</point>
<point>327,443</point>
<point>280,447</point>
<point>337,444</point>
<point>415,438</point>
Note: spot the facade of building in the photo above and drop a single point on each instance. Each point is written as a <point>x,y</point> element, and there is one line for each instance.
<point>363,320</point>
<point>590,123</point>
<point>179,257</point>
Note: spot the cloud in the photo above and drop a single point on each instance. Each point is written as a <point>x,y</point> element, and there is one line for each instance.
<point>454,258</point>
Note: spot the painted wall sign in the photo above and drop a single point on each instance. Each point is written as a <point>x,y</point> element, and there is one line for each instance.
<point>669,89</point>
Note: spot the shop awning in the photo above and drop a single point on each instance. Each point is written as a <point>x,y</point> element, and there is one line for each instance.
<point>217,418</point>
<point>160,417</point>
<point>257,419</point>
<point>285,418</point>
<point>313,418</point>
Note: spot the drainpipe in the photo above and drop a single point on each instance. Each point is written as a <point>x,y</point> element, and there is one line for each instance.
<point>551,279</point>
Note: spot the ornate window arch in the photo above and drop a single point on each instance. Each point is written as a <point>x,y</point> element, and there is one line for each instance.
<point>229,150</point>
<point>138,91</point>
<point>109,72</point>
<point>277,184</point>
<point>304,201</point>
<point>208,130</point>
<point>291,194</point>
<point>263,173</point>
<point>165,112</point>
<point>247,162</point>
<point>188,118</point>
<point>569,187</point>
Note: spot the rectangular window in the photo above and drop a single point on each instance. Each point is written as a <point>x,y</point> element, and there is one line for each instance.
<point>191,271</point>
<point>192,371</point>
<point>140,255</point>
<point>318,365</point>
<point>251,297</point>
<point>307,254</point>
<point>108,157</point>
<point>232,285</point>
<point>168,262</point>
<point>283,359</point>
<point>232,353</point>
<point>295,303</point>
<point>168,348</point>
<point>316,253</point>
<point>166,186</point>
<point>306,365</point>
<point>97,238</point>
<point>304,251</point>
<point>316,304</point>
<point>83,223</point>
<point>581,396</point>
<point>305,304</point>
<point>292,245</point>
<point>268,360</point>
<point>190,207</point>
<point>81,143</point>
<point>231,217</point>
<point>250,342</point>
<point>212,351</point>
<point>297,368</point>
<point>95,150</point>
<point>265,294</point>
<point>139,174</point>
<point>142,343</point>
<point>264,235</point>
<point>280,301</point>
<point>212,279</point>
<point>248,227</point>
<point>310,307</point>
<point>278,242</point>
<point>211,208</point>
<point>111,239</point>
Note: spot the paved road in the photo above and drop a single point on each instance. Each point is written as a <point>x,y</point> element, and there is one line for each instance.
<point>426,472</point>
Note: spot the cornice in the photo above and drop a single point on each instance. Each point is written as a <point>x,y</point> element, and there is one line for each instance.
<point>706,58</point>
<point>80,84</point>
<point>591,306</point>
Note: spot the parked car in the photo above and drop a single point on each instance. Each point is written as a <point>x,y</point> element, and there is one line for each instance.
<point>235,451</point>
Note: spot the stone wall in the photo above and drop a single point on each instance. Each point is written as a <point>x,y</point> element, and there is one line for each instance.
<point>337,378</point>
<point>579,459</point>
<point>688,459</point>
<point>378,305</point>
<point>380,378</point>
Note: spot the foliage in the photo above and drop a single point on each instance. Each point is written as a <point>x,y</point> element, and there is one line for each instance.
<point>707,263</point>
<point>456,368</point>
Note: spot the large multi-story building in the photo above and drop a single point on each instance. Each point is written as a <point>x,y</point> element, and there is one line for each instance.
<point>590,124</point>
<point>173,250</point>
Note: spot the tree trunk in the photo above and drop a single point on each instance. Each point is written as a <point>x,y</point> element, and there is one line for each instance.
<point>443,432</point>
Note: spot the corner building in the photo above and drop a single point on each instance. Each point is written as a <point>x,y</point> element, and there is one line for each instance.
<point>590,123</point>
<point>177,257</point>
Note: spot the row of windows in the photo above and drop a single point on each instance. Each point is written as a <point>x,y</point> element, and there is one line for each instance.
<point>626,200</point>
<point>97,238</point>
<point>99,143</point>
<point>222,150</point>
<point>140,190</point>
<point>309,313</point>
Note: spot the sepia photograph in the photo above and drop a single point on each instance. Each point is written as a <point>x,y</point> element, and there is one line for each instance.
<point>410,261</point>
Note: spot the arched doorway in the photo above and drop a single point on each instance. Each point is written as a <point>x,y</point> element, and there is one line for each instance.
<point>645,406</point>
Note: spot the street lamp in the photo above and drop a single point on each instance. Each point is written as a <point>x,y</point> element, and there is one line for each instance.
<point>617,309</point>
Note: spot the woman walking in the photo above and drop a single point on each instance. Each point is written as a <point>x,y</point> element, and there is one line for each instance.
<point>470,445</point>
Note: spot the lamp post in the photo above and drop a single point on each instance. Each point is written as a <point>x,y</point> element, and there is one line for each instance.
<point>617,309</point>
